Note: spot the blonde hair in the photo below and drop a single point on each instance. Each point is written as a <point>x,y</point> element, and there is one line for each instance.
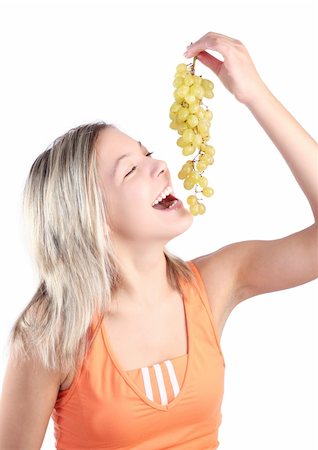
<point>65,215</point>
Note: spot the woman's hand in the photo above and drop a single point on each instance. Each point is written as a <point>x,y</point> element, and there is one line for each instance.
<point>237,72</point>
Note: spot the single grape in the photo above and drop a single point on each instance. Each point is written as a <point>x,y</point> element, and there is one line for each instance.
<point>188,80</point>
<point>188,184</point>
<point>192,200</point>
<point>194,209</point>
<point>201,166</point>
<point>188,150</point>
<point>182,114</point>
<point>192,120</point>
<point>178,81</point>
<point>186,168</point>
<point>203,182</point>
<point>197,140</point>
<point>175,107</point>
<point>203,127</point>
<point>209,150</point>
<point>201,208</point>
<point>210,160</point>
<point>180,142</point>
<point>177,98</point>
<point>188,135</point>
<point>181,127</point>
<point>194,176</point>
<point>201,113</point>
<point>208,115</point>
<point>204,159</point>
<point>208,93</point>
<point>197,91</point>
<point>194,108</point>
<point>183,90</point>
<point>173,125</point>
<point>181,68</point>
<point>207,191</point>
<point>207,84</point>
<point>190,98</point>
<point>197,80</point>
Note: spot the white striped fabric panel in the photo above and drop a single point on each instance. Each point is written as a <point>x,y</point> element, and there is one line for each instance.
<point>160,381</point>
<point>161,384</point>
<point>147,382</point>
<point>173,377</point>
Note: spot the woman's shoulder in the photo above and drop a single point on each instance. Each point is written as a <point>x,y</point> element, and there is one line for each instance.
<point>218,278</point>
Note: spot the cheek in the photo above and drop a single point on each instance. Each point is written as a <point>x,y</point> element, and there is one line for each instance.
<point>132,203</point>
<point>137,196</point>
<point>132,217</point>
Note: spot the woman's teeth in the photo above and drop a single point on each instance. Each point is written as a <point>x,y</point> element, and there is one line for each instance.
<point>163,195</point>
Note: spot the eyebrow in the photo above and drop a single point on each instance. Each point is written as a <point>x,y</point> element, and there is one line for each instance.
<point>121,157</point>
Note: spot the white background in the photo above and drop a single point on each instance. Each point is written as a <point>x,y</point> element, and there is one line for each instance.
<point>68,63</point>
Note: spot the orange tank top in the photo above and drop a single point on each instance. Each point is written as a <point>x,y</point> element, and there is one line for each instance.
<point>174,404</point>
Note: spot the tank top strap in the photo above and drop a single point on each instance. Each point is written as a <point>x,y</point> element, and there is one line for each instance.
<point>199,281</point>
<point>205,300</point>
<point>94,327</point>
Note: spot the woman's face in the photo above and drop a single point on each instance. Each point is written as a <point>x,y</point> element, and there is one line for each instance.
<point>130,185</point>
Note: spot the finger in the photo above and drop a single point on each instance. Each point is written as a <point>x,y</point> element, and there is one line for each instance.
<point>207,35</point>
<point>210,61</point>
<point>207,42</point>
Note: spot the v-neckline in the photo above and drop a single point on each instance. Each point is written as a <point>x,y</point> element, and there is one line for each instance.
<point>129,380</point>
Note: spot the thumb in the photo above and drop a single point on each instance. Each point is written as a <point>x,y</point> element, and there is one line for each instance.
<point>210,61</point>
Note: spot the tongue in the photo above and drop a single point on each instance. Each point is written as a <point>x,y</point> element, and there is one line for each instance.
<point>166,202</point>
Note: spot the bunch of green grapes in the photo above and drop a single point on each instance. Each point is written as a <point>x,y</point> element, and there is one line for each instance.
<point>192,121</point>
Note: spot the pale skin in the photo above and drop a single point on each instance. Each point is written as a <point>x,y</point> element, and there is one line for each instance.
<point>138,231</point>
<point>231,274</point>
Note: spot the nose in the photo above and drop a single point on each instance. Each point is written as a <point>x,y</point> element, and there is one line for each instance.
<point>161,167</point>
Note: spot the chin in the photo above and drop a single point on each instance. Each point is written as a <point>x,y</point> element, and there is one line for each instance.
<point>181,225</point>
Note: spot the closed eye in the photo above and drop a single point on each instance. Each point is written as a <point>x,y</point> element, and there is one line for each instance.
<point>148,154</point>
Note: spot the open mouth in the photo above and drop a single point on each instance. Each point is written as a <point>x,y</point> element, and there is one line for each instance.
<point>167,203</point>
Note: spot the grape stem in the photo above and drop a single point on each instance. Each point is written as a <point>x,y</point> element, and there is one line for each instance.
<point>193,65</point>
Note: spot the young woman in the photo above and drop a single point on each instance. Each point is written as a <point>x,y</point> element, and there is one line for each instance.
<point>120,344</point>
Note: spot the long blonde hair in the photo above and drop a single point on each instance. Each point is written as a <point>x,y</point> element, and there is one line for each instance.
<point>65,215</point>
